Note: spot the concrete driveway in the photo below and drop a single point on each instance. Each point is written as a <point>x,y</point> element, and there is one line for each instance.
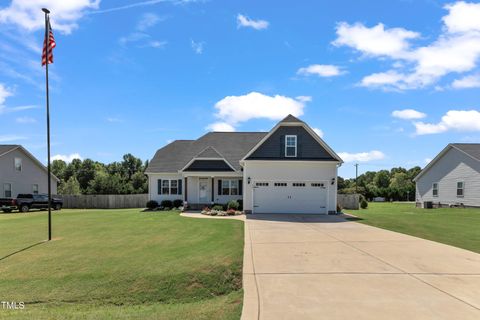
<point>324,267</point>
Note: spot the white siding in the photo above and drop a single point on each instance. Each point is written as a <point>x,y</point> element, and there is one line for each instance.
<point>23,181</point>
<point>293,171</point>
<point>153,186</point>
<point>453,167</point>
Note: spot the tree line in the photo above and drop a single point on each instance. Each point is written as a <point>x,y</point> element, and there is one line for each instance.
<point>396,184</point>
<point>93,177</point>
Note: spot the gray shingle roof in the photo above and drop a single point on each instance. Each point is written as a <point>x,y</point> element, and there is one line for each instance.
<point>472,149</point>
<point>7,147</point>
<point>232,146</point>
<point>291,118</point>
<point>209,152</point>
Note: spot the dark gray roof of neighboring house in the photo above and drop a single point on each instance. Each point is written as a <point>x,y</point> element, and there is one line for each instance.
<point>4,148</point>
<point>232,146</point>
<point>291,118</point>
<point>472,149</point>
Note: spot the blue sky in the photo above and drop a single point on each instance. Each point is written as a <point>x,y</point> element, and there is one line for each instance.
<point>387,83</point>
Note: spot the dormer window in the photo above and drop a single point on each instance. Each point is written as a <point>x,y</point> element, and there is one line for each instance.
<point>290,146</point>
<point>18,164</point>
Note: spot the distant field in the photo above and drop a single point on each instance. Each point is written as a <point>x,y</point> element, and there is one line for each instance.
<point>454,226</point>
<point>121,264</point>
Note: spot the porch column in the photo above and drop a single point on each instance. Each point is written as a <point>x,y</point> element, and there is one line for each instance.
<point>213,188</point>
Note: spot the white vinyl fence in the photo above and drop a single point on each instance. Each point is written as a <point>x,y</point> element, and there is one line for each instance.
<point>107,201</point>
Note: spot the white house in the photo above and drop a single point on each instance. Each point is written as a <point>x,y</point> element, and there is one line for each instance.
<point>287,170</point>
<point>452,178</point>
<point>21,172</point>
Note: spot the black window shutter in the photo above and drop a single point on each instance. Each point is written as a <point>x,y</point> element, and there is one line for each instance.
<point>219,187</point>
<point>299,146</point>
<point>282,146</point>
<point>240,187</point>
<point>159,186</point>
<point>179,186</point>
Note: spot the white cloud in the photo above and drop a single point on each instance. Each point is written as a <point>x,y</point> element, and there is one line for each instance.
<point>457,120</point>
<point>456,50</point>
<point>375,41</point>
<point>304,98</point>
<point>25,120</point>
<point>321,70</point>
<point>27,14</point>
<point>318,131</point>
<point>197,47</point>
<point>220,126</point>
<point>156,44</point>
<point>147,21</point>
<point>244,21</point>
<point>462,17</point>
<point>408,114</point>
<point>233,110</point>
<point>67,157</point>
<point>114,119</point>
<point>467,82</point>
<point>427,160</point>
<point>4,93</point>
<point>11,138</point>
<point>362,156</point>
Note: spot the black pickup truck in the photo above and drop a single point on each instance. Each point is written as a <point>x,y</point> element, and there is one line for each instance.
<point>25,202</point>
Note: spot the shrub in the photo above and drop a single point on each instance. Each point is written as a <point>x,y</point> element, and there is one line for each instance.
<point>152,204</point>
<point>233,205</point>
<point>177,203</point>
<point>166,203</point>
<point>231,212</point>
<point>339,208</point>
<point>218,207</point>
<point>364,204</point>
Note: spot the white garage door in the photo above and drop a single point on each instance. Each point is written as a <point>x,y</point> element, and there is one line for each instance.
<point>290,197</point>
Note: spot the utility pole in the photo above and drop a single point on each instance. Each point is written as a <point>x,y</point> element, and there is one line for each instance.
<point>356,177</point>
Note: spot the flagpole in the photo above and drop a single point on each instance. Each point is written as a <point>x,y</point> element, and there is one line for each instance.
<point>47,48</point>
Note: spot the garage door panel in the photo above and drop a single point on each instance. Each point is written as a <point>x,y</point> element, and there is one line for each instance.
<point>289,199</point>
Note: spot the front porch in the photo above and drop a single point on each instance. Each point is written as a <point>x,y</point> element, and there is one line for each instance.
<point>208,188</point>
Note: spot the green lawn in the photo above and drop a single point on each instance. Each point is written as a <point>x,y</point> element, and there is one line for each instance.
<point>454,226</point>
<point>121,264</point>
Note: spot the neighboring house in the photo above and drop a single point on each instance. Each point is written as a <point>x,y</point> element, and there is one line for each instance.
<point>287,170</point>
<point>452,178</point>
<point>21,172</point>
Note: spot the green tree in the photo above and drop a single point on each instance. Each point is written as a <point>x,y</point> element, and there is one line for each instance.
<point>139,182</point>
<point>58,169</point>
<point>400,185</point>
<point>86,173</point>
<point>71,186</point>
<point>131,165</point>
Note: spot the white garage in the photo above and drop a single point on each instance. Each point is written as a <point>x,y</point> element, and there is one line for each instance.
<point>307,197</point>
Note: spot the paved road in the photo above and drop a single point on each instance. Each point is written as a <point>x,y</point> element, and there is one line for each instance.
<point>324,267</point>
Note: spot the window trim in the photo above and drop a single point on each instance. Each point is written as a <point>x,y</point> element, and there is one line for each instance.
<point>462,188</point>
<point>237,181</point>
<point>287,146</point>
<point>435,189</point>
<point>15,164</point>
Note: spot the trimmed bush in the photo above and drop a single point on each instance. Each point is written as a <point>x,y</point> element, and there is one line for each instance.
<point>166,203</point>
<point>177,203</point>
<point>364,204</point>
<point>152,204</point>
<point>218,207</point>
<point>233,205</point>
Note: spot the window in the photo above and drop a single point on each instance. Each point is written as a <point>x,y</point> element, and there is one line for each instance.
<point>316,184</point>
<point>173,187</point>
<point>460,189</point>
<point>225,187</point>
<point>435,189</point>
<point>35,188</point>
<point>298,184</point>
<point>18,164</point>
<point>234,187</point>
<point>165,186</point>
<point>290,146</point>
<point>261,184</point>
<point>280,184</point>
<point>7,190</point>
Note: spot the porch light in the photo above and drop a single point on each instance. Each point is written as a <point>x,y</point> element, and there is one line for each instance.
<point>248,180</point>
<point>333,181</point>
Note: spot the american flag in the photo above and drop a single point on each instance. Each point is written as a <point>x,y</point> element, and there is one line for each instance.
<point>51,45</point>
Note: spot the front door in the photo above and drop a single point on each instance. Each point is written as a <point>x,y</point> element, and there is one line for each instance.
<point>203,191</point>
